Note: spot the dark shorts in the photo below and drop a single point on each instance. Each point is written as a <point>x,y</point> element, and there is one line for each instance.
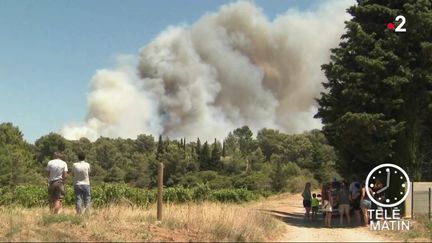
<point>356,204</point>
<point>56,191</point>
<point>307,203</point>
<point>315,209</point>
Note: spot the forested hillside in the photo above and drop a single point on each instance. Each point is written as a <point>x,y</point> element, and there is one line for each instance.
<point>269,161</point>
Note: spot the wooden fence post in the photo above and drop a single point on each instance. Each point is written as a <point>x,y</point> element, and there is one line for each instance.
<point>429,204</point>
<point>160,191</point>
<point>412,200</point>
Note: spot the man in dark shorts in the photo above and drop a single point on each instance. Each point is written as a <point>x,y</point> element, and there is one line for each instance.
<point>355,201</point>
<point>57,172</point>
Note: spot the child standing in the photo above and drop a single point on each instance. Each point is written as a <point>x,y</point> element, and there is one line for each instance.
<point>315,204</point>
<point>307,199</point>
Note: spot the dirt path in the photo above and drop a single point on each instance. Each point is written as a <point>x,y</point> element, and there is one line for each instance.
<point>291,211</point>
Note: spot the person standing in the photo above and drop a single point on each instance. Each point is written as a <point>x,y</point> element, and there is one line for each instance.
<point>307,197</point>
<point>365,203</point>
<point>81,170</point>
<point>344,203</point>
<point>315,206</point>
<point>352,187</point>
<point>327,204</point>
<point>355,200</point>
<point>57,173</point>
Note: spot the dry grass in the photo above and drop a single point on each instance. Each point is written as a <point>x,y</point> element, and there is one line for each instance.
<point>420,231</point>
<point>184,222</point>
<point>220,222</point>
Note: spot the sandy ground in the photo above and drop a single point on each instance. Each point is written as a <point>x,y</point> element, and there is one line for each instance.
<point>290,210</point>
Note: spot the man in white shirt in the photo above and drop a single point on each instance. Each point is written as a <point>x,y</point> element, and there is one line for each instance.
<point>81,172</point>
<point>57,173</point>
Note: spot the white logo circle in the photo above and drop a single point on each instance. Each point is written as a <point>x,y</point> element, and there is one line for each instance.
<point>406,191</point>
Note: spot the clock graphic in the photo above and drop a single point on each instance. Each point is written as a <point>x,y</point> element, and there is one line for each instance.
<point>388,185</point>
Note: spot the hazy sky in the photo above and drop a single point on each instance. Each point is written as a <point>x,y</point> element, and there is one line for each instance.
<point>51,49</point>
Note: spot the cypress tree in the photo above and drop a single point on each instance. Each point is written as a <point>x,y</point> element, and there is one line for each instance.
<point>377,104</point>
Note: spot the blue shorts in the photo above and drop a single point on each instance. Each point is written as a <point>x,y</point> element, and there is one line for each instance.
<point>365,204</point>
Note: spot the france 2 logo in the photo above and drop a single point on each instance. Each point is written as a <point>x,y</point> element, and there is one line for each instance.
<point>399,28</point>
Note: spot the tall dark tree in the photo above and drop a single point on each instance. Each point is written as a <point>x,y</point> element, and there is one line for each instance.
<point>205,159</point>
<point>198,146</point>
<point>378,93</point>
<point>223,149</point>
<point>166,144</point>
<point>184,147</point>
<point>198,150</point>
<point>216,156</point>
<point>160,147</point>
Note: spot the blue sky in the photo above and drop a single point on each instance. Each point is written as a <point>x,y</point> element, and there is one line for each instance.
<point>51,48</point>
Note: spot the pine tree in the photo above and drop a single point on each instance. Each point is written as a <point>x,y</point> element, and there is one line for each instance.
<point>215,156</point>
<point>198,147</point>
<point>205,159</point>
<point>223,149</point>
<point>160,147</point>
<point>17,165</point>
<point>378,93</point>
<point>184,148</point>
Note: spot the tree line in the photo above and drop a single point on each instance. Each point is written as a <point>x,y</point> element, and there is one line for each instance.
<point>271,161</point>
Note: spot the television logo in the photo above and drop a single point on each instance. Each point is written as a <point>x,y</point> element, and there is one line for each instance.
<point>387,185</point>
<point>399,28</point>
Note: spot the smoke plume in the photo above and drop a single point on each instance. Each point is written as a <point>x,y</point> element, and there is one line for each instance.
<point>231,68</point>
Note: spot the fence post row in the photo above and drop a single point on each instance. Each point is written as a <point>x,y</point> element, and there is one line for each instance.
<point>429,203</point>
<point>160,191</point>
<point>412,200</point>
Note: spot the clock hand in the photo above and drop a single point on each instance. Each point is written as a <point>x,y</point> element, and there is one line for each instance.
<point>388,178</point>
<point>387,184</point>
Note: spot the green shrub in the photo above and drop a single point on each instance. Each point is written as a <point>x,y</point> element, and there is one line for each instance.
<point>6,197</point>
<point>177,194</point>
<point>256,181</point>
<point>201,192</point>
<point>233,195</point>
<point>297,183</point>
<point>30,196</point>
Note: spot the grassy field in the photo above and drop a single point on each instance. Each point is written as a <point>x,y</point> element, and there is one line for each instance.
<point>208,221</point>
<point>420,231</point>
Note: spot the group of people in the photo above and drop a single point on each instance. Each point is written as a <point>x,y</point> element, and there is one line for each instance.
<point>57,171</point>
<point>347,195</point>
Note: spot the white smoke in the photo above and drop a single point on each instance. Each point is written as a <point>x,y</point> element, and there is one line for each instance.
<point>230,68</point>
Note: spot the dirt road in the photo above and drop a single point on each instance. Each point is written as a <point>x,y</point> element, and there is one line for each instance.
<point>291,211</point>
